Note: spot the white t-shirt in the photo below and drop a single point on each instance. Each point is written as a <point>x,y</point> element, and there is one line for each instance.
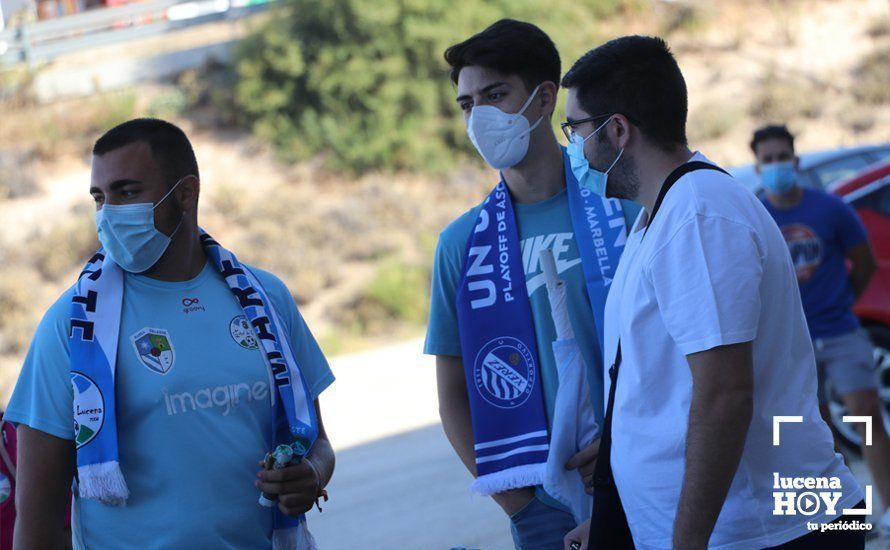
<point>712,270</point>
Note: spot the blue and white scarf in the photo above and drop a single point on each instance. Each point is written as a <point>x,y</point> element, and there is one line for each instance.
<point>497,331</point>
<point>93,339</point>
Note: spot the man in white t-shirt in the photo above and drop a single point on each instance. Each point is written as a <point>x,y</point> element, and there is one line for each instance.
<point>714,347</point>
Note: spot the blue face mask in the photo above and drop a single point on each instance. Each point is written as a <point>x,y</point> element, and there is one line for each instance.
<point>778,177</point>
<point>129,236</point>
<point>587,177</point>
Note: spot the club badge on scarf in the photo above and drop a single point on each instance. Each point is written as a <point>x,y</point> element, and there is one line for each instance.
<point>497,332</point>
<point>93,340</point>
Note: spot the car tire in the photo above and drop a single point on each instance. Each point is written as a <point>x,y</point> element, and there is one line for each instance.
<point>846,433</point>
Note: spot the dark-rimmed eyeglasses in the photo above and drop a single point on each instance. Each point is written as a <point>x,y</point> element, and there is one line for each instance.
<point>568,127</point>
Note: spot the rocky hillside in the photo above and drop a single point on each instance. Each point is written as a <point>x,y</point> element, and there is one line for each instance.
<point>356,250</point>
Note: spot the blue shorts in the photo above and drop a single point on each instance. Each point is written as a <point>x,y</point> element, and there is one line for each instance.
<point>846,362</point>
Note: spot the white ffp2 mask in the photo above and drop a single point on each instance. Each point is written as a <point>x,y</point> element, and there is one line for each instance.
<point>501,138</point>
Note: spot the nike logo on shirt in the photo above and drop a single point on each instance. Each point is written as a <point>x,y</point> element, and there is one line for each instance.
<point>531,257</point>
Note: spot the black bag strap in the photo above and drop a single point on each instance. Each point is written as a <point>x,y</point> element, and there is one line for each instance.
<point>673,177</point>
<point>608,526</point>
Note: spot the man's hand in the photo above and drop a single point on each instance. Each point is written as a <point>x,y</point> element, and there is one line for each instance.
<point>578,537</point>
<point>296,485</point>
<point>585,462</point>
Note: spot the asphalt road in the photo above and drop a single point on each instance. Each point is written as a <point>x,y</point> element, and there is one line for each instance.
<point>398,484</point>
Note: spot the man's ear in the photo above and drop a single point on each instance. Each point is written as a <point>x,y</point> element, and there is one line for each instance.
<point>188,192</point>
<point>620,129</point>
<point>547,92</point>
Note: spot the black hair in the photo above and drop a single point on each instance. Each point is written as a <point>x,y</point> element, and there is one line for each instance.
<point>509,47</point>
<point>638,77</point>
<point>169,145</point>
<point>772,131</point>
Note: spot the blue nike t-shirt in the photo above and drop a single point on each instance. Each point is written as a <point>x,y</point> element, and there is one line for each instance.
<point>193,422</point>
<point>819,230</point>
<point>541,225</point>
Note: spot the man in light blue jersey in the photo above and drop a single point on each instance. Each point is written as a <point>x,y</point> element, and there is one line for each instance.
<point>211,367</point>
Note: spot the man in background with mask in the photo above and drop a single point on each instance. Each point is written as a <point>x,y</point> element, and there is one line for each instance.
<point>705,335</point>
<point>490,326</point>
<point>164,376</point>
<point>822,233</point>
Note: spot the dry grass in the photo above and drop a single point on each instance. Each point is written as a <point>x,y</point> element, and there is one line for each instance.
<point>873,78</point>
<point>713,121</point>
<point>16,175</point>
<point>879,27</point>
<point>782,99</point>
<point>64,127</point>
<point>20,288</point>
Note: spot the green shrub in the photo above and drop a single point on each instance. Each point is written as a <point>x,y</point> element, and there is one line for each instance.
<point>168,104</point>
<point>395,297</point>
<point>211,87</point>
<point>364,81</point>
<point>401,290</point>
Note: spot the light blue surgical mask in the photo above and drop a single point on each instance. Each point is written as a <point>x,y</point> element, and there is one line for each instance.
<point>778,177</point>
<point>587,177</point>
<point>129,236</point>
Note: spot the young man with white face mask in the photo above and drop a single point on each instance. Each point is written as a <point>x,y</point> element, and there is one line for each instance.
<point>160,380</point>
<point>824,234</point>
<point>490,325</point>
<point>705,337</point>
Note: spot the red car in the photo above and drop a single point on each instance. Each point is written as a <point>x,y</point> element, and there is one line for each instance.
<point>868,193</point>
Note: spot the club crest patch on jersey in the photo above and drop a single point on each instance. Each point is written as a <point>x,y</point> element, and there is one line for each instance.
<point>154,349</point>
<point>504,372</point>
<point>89,409</point>
<point>242,333</point>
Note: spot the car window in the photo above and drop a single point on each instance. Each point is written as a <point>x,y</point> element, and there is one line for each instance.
<point>878,200</point>
<point>881,155</point>
<point>839,169</point>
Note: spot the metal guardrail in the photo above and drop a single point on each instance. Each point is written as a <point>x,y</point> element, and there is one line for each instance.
<point>45,40</point>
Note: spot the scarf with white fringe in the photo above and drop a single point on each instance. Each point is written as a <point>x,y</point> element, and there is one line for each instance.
<point>93,340</point>
<point>497,331</point>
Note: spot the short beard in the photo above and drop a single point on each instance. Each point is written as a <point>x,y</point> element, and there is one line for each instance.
<point>622,182</point>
